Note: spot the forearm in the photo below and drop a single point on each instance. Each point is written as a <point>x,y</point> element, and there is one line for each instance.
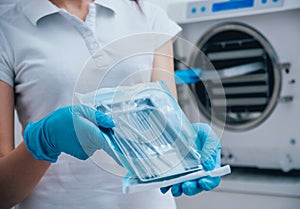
<point>20,173</point>
<point>163,67</point>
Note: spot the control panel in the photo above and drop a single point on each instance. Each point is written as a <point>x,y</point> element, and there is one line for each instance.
<point>188,11</point>
<point>198,9</point>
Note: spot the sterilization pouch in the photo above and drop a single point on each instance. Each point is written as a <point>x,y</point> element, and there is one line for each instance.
<point>152,137</point>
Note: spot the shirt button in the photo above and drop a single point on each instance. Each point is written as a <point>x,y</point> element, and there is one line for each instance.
<point>99,63</point>
<point>88,33</point>
<point>97,56</point>
<point>94,45</point>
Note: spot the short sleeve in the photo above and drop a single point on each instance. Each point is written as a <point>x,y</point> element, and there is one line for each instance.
<point>6,71</point>
<point>159,22</point>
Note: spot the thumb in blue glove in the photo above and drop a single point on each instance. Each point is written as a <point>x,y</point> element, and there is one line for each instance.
<point>208,144</point>
<point>75,130</point>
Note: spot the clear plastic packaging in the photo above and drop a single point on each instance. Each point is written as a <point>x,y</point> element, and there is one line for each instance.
<point>146,142</point>
<point>152,137</point>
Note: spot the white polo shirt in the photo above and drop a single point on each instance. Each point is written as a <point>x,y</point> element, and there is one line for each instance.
<point>43,50</point>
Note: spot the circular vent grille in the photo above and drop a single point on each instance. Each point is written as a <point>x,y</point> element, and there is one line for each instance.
<point>250,97</point>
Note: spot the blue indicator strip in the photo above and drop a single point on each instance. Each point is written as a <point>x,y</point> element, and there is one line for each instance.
<point>232,5</point>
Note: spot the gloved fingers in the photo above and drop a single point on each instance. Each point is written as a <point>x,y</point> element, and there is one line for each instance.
<point>91,138</point>
<point>80,155</point>
<point>89,135</point>
<point>176,190</point>
<point>209,145</point>
<point>202,130</point>
<point>207,138</point>
<point>104,120</point>
<point>81,149</point>
<point>203,184</point>
<point>164,190</point>
<point>209,183</point>
<point>97,117</point>
<point>191,188</point>
<point>218,157</point>
<point>211,160</point>
<point>208,160</point>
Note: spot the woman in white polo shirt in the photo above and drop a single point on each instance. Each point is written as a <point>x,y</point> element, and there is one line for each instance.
<point>44,46</point>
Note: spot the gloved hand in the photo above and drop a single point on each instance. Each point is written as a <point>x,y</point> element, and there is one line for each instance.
<point>75,130</point>
<point>209,147</point>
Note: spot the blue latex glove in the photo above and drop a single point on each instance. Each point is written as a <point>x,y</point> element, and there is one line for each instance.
<point>209,147</point>
<point>75,130</point>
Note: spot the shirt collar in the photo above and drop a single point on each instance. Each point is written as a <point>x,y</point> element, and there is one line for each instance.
<point>37,9</point>
<point>110,4</point>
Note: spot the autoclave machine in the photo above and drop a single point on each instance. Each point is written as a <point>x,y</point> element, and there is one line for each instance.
<point>262,107</point>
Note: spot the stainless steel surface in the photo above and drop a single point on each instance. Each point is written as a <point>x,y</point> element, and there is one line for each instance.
<point>237,54</point>
<point>231,72</point>
<point>256,92</point>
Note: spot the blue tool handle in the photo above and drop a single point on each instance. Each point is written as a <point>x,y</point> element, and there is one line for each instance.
<point>187,76</point>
